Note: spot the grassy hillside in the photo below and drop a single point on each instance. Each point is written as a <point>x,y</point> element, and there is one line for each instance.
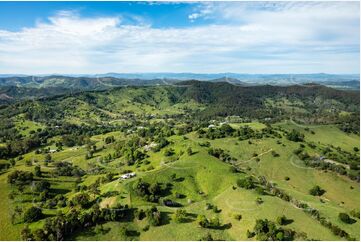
<point>201,172</point>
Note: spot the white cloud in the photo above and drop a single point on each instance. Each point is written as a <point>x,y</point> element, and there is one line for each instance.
<point>205,10</point>
<point>244,37</point>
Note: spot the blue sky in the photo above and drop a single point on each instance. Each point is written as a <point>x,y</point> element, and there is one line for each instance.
<point>158,15</point>
<point>206,37</point>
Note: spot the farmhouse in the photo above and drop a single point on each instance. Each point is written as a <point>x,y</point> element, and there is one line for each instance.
<point>128,175</point>
<point>150,146</point>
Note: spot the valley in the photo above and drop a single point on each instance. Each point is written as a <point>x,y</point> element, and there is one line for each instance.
<point>187,161</point>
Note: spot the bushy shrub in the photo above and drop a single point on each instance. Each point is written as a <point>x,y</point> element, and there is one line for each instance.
<point>317,191</point>
<point>33,214</point>
<point>246,183</point>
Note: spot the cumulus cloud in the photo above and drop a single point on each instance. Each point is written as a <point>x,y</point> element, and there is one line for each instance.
<point>241,37</point>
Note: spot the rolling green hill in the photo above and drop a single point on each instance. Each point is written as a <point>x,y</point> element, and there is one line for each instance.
<point>192,161</point>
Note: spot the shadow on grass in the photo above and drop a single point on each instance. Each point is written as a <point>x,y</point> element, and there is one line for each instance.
<point>288,221</point>
<point>351,221</point>
<point>190,217</point>
<point>133,233</point>
<point>110,194</point>
<point>179,179</point>
<point>188,220</point>
<point>224,226</point>
<point>88,232</point>
<point>165,218</point>
<point>45,216</point>
<point>59,190</point>
<point>167,190</point>
<point>194,152</point>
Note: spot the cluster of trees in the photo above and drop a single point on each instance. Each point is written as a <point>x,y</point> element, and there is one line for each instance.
<point>33,214</point>
<point>314,213</point>
<point>159,129</point>
<point>50,201</point>
<point>184,129</point>
<point>350,123</point>
<point>64,168</point>
<point>282,220</point>
<point>224,130</point>
<point>334,228</point>
<point>150,192</point>
<point>82,200</point>
<point>42,186</point>
<point>179,216</point>
<point>62,226</point>
<point>272,189</point>
<point>246,132</point>
<point>132,155</point>
<point>15,148</point>
<point>71,140</point>
<point>161,143</point>
<point>269,131</point>
<point>221,154</point>
<point>317,191</point>
<point>44,198</point>
<point>353,173</point>
<point>243,133</point>
<point>8,130</point>
<point>343,156</point>
<point>154,216</point>
<point>130,150</point>
<point>295,136</point>
<point>268,230</point>
<point>71,134</point>
<point>20,177</point>
<point>247,183</point>
<point>204,222</point>
<point>37,171</point>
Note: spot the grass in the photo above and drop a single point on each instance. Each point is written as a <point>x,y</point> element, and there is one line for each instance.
<point>325,134</point>
<point>8,231</point>
<point>242,202</point>
<point>203,179</point>
<point>25,127</point>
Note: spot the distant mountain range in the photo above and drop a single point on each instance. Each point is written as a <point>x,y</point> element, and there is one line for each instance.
<point>211,76</point>
<point>14,87</point>
<point>276,79</point>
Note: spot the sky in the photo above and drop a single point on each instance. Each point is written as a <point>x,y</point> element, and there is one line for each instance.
<point>199,37</point>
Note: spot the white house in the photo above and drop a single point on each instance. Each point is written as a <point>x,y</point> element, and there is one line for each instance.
<point>128,175</point>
